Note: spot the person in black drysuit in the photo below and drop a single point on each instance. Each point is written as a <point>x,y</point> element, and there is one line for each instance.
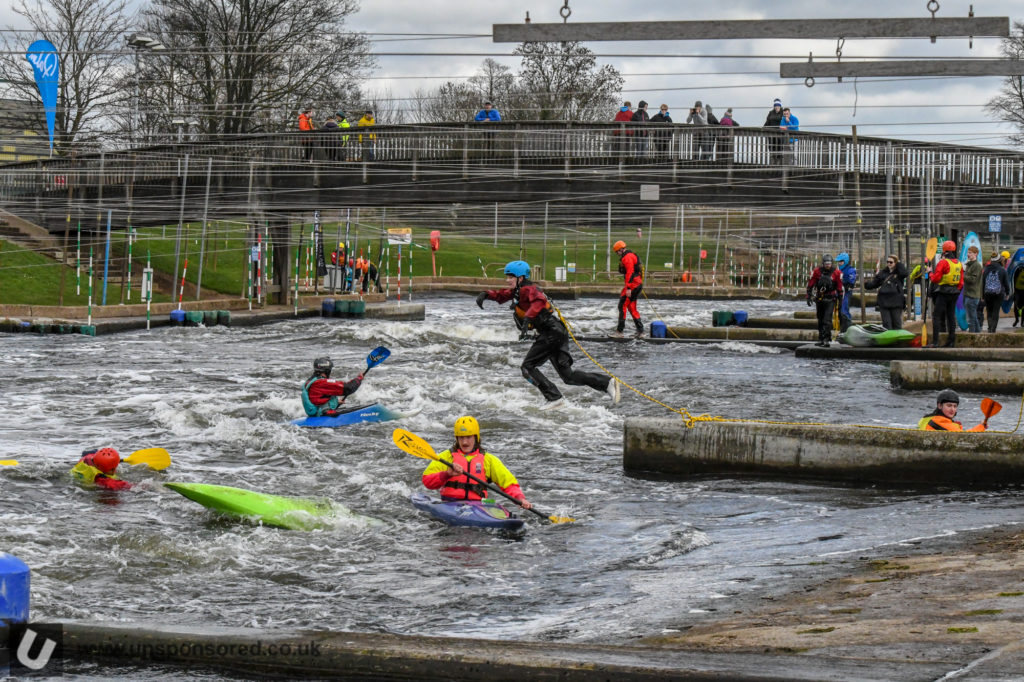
<point>532,306</point>
<point>823,289</point>
<point>891,300</point>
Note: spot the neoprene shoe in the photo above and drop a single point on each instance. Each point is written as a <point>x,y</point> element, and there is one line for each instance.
<point>553,404</point>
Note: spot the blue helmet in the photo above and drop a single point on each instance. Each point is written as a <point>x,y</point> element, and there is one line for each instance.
<point>518,268</point>
<point>843,258</point>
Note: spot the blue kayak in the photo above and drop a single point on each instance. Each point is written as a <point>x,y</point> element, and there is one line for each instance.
<point>353,415</point>
<point>483,514</point>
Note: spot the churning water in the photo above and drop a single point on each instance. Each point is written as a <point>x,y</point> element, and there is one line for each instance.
<point>645,555</point>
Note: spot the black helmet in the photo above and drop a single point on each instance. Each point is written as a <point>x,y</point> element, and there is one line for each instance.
<point>323,366</point>
<point>947,396</point>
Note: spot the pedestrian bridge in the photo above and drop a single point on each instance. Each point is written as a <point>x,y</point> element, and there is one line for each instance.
<point>912,183</point>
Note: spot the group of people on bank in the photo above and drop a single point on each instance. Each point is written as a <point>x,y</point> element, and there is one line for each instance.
<point>984,291</point>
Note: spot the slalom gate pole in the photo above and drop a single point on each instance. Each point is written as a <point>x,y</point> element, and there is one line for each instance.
<point>149,288</point>
<point>90,286</point>
<point>181,292</point>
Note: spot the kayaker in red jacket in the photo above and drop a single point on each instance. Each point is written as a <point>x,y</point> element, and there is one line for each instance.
<point>532,307</point>
<point>322,397</point>
<point>98,467</point>
<point>468,455</point>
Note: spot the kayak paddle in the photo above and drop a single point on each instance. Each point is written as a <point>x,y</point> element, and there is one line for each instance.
<point>376,356</point>
<point>155,458</point>
<point>989,408</point>
<point>8,462</point>
<point>414,445</point>
<point>931,248</point>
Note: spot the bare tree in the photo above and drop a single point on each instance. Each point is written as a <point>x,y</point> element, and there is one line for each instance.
<point>561,81</point>
<point>243,66</point>
<point>448,102</point>
<point>88,35</point>
<point>1008,105</point>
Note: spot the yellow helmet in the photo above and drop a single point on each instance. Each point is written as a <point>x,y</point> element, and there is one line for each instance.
<point>466,426</point>
<point>1005,254</point>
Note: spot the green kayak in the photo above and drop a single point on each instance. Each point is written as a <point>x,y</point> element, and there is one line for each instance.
<point>294,513</point>
<point>875,335</point>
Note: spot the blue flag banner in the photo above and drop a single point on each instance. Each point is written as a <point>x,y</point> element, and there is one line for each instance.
<point>46,63</point>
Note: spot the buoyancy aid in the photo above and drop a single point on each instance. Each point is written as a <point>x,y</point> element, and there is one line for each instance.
<point>519,311</point>
<point>85,471</point>
<point>317,410</point>
<point>463,487</point>
<point>638,267</point>
<point>940,422</point>
<point>305,122</point>
<point>953,276</point>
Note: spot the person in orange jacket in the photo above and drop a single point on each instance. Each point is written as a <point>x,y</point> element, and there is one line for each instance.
<point>946,405</point>
<point>467,455</point>
<point>306,125</point>
<point>98,467</point>
<point>633,270</point>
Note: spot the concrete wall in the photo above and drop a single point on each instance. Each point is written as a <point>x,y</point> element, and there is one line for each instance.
<point>666,446</point>
<point>996,377</point>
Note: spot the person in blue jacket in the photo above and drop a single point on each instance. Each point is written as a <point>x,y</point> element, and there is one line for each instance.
<point>849,274</point>
<point>487,114</point>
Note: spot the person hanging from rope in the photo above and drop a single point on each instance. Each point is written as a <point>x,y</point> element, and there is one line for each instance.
<point>946,405</point>
<point>823,289</point>
<point>633,270</point>
<point>532,306</point>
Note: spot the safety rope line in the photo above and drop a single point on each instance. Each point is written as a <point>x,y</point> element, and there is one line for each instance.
<point>690,420</point>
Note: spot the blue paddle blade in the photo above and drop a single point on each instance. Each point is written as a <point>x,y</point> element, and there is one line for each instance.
<point>377,356</point>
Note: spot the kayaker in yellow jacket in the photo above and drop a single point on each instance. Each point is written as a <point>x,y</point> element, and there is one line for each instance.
<point>467,456</point>
<point>946,405</point>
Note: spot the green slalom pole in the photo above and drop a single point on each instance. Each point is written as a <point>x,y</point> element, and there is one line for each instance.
<point>90,286</point>
<point>129,264</point>
<point>78,262</point>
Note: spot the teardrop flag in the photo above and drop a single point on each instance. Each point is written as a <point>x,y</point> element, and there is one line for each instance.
<point>46,63</point>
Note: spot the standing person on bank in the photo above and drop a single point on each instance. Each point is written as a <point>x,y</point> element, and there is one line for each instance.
<point>823,288</point>
<point>890,284</point>
<point>532,306</point>
<point>948,279</point>
<point>633,270</point>
<point>849,274</point>
<point>996,289</point>
<point>972,289</point>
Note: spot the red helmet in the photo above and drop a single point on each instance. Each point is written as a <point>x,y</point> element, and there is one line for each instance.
<point>948,246</point>
<point>106,460</point>
<point>618,245</point>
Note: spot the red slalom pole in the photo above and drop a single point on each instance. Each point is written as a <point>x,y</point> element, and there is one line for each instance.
<point>181,292</point>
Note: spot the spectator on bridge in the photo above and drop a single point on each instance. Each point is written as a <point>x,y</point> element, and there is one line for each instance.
<point>697,117</point>
<point>713,132</point>
<point>972,289</point>
<point>891,300</point>
<point>624,115</point>
<point>791,123</point>
<point>343,147</point>
<point>727,135</point>
<point>329,141</point>
<point>774,121</point>
<point>487,114</point>
<point>367,143</point>
<point>640,138</point>
<point>662,138</point>
<point>306,124</point>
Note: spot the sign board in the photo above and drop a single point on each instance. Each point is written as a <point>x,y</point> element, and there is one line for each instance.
<point>255,255</point>
<point>399,235</point>
<point>995,223</point>
<point>649,192</point>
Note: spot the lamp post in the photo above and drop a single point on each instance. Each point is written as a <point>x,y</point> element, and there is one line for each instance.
<point>139,42</point>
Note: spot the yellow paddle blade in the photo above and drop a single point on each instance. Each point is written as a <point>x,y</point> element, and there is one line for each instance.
<point>413,444</point>
<point>561,519</point>
<point>931,247</point>
<point>8,462</point>
<point>155,458</point>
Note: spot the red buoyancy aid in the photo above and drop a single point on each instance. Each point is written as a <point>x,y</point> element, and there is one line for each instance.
<point>462,487</point>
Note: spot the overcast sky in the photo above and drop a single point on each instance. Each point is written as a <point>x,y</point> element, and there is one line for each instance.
<point>941,110</point>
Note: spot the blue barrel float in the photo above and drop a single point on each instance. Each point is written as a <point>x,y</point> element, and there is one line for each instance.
<point>14,589</point>
<point>177,318</point>
<point>658,329</point>
<point>741,317</point>
<point>327,307</point>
